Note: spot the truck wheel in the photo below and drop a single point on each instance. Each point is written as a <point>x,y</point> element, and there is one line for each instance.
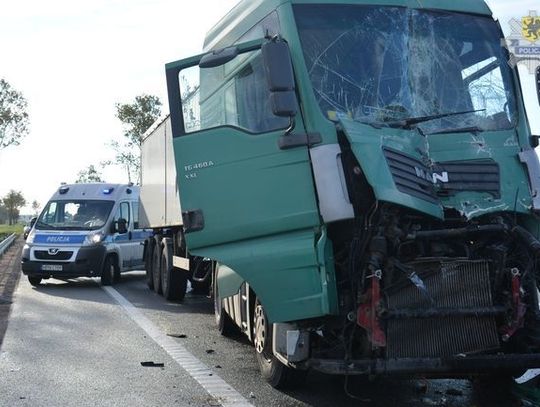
<point>225,324</point>
<point>272,370</point>
<point>156,265</point>
<point>108,271</point>
<point>173,281</point>
<point>148,263</point>
<point>35,281</point>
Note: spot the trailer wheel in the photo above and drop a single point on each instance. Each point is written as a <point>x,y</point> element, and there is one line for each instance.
<point>173,281</point>
<point>272,370</point>
<point>156,265</point>
<point>148,263</point>
<point>108,271</point>
<point>225,324</point>
<point>35,281</point>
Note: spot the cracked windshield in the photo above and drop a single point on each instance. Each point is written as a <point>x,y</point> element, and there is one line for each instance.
<point>393,66</point>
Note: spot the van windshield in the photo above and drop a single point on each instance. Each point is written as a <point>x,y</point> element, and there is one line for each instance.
<point>382,65</point>
<point>74,215</point>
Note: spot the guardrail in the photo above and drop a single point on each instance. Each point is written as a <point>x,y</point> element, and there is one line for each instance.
<point>6,243</point>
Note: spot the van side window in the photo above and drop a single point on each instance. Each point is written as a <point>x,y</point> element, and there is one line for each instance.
<point>123,212</point>
<point>135,206</point>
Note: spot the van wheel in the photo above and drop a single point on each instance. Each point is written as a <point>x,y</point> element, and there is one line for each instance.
<point>272,370</point>
<point>108,271</point>
<point>148,263</point>
<point>35,281</point>
<point>173,281</point>
<point>156,265</point>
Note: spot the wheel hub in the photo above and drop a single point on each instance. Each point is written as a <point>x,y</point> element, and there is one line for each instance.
<point>260,330</point>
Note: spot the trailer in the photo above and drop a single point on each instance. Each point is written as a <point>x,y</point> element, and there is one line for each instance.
<point>168,265</point>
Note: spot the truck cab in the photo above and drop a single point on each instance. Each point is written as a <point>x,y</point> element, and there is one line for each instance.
<point>89,230</point>
<point>363,174</point>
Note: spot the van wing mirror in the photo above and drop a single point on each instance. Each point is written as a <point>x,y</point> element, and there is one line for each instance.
<point>119,226</point>
<point>279,77</point>
<point>538,83</point>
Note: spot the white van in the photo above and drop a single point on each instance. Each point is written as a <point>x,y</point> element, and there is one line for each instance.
<point>86,230</point>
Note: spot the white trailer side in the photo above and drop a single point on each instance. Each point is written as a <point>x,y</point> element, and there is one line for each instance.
<point>159,202</point>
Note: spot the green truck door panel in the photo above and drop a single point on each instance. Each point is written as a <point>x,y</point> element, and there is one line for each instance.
<point>244,185</point>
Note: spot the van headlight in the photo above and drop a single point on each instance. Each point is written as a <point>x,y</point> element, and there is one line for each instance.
<point>31,236</point>
<point>93,239</point>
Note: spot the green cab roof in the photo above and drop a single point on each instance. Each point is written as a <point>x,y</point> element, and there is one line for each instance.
<point>247,13</point>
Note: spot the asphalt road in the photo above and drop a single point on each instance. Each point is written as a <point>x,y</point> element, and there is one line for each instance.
<point>73,343</point>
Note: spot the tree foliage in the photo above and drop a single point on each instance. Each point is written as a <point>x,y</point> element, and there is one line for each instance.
<point>14,120</point>
<point>36,207</point>
<point>13,201</point>
<point>89,174</point>
<point>136,117</point>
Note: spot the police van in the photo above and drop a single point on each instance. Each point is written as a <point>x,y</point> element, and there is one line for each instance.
<point>87,230</point>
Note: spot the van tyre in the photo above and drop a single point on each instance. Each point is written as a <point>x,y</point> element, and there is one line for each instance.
<point>108,271</point>
<point>173,280</point>
<point>156,265</point>
<point>225,324</point>
<point>272,370</point>
<point>148,263</point>
<point>35,281</point>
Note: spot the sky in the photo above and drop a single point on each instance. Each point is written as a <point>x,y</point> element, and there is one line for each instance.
<point>74,60</point>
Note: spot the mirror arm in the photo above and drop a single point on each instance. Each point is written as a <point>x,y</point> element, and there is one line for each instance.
<point>292,125</point>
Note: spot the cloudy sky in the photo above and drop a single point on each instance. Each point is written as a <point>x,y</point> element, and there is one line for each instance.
<point>73,60</point>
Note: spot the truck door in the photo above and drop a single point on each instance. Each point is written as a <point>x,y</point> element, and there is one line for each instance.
<point>235,182</point>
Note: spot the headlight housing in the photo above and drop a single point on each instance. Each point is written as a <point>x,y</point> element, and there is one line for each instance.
<point>31,236</point>
<point>94,238</point>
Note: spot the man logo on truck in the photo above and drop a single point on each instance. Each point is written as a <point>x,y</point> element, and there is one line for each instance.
<point>432,177</point>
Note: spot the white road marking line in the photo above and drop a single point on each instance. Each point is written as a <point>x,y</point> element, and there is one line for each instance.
<point>214,385</point>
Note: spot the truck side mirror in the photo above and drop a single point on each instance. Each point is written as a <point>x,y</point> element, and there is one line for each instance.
<point>279,77</point>
<point>218,57</point>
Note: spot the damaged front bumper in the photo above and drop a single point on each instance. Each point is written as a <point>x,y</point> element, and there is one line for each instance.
<point>455,366</point>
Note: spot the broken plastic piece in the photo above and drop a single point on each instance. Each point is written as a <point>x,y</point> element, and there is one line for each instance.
<point>152,364</point>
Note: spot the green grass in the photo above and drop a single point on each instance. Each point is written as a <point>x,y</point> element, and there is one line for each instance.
<point>6,230</point>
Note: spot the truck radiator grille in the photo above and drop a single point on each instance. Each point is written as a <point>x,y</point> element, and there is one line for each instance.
<point>463,285</point>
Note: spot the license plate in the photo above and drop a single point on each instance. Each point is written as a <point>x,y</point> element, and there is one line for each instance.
<point>51,267</point>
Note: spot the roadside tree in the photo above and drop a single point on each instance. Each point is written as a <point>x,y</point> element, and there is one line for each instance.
<point>136,118</point>
<point>14,120</point>
<point>13,201</point>
<point>89,174</point>
<point>36,207</point>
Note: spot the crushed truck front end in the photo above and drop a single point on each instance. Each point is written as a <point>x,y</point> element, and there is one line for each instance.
<point>411,139</point>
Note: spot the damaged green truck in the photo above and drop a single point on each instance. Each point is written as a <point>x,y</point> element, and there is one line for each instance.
<point>363,175</point>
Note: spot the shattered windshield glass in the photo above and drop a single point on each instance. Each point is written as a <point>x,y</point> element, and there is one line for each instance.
<point>392,65</point>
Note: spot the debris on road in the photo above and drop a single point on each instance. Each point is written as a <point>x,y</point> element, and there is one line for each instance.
<point>210,351</point>
<point>152,364</point>
<point>178,335</point>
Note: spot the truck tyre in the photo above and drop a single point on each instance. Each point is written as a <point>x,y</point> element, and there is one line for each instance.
<point>156,265</point>
<point>272,370</point>
<point>225,324</point>
<point>35,281</point>
<point>148,253</point>
<point>108,271</point>
<point>173,281</point>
